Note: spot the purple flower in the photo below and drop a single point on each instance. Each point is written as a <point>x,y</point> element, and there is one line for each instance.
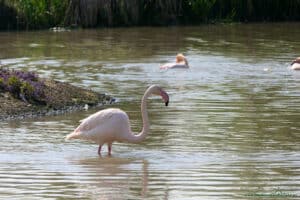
<point>22,84</point>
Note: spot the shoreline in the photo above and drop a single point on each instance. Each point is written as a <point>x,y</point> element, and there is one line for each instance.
<point>65,98</point>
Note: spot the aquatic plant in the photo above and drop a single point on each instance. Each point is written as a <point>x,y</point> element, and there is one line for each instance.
<point>22,85</point>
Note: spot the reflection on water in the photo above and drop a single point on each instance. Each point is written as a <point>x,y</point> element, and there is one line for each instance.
<point>231,130</point>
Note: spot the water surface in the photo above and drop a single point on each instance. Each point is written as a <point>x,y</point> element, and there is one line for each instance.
<point>231,130</point>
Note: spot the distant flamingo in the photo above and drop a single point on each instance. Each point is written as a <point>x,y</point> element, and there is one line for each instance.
<point>296,64</point>
<point>181,62</point>
<point>109,125</point>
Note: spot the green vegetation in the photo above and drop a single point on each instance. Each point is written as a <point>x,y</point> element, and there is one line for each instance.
<point>24,94</point>
<point>22,85</point>
<point>1,84</point>
<point>41,13</point>
<point>14,84</point>
<point>30,14</point>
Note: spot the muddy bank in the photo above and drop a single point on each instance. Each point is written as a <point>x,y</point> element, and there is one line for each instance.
<point>60,98</point>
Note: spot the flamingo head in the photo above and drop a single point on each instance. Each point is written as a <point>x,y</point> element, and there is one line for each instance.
<point>180,58</point>
<point>156,90</point>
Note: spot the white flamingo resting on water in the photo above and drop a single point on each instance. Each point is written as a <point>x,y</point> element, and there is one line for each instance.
<point>181,62</point>
<point>112,124</point>
<point>296,64</point>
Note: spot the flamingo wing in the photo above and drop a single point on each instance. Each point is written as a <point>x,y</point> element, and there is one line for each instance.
<point>94,123</point>
<point>95,120</point>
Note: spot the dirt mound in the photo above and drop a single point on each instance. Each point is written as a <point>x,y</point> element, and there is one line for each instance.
<point>59,98</point>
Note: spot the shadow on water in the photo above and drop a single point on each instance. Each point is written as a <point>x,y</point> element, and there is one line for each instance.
<point>108,177</point>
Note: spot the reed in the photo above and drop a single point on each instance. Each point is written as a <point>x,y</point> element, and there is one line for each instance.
<point>257,10</point>
<point>8,15</point>
<point>37,13</point>
<point>91,13</point>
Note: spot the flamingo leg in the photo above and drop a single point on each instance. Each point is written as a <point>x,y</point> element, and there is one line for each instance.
<point>99,150</point>
<point>109,148</point>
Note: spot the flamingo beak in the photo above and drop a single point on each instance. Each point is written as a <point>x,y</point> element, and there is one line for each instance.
<point>167,103</point>
<point>165,97</point>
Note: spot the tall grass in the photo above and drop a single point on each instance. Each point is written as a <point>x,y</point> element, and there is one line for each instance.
<point>92,13</point>
<point>38,13</point>
<point>241,10</point>
<point>7,16</point>
<point>255,10</point>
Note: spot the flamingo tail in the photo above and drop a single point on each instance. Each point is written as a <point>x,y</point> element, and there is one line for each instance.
<point>73,135</point>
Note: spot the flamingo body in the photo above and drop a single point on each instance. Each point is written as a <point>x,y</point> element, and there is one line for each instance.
<point>296,64</point>
<point>110,125</point>
<point>103,127</point>
<point>181,62</point>
<point>174,66</point>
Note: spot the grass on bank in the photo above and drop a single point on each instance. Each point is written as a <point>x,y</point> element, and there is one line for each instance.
<point>38,14</point>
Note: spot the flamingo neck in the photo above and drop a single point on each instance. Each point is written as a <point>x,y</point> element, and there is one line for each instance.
<point>146,126</point>
<point>186,62</point>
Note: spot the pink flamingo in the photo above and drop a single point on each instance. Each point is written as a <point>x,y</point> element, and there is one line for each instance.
<point>181,62</point>
<point>109,125</point>
<point>296,64</point>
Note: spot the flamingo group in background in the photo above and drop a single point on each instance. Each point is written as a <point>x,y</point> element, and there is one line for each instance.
<point>296,64</point>
<point>109,125</point>
<point>181,62</point>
